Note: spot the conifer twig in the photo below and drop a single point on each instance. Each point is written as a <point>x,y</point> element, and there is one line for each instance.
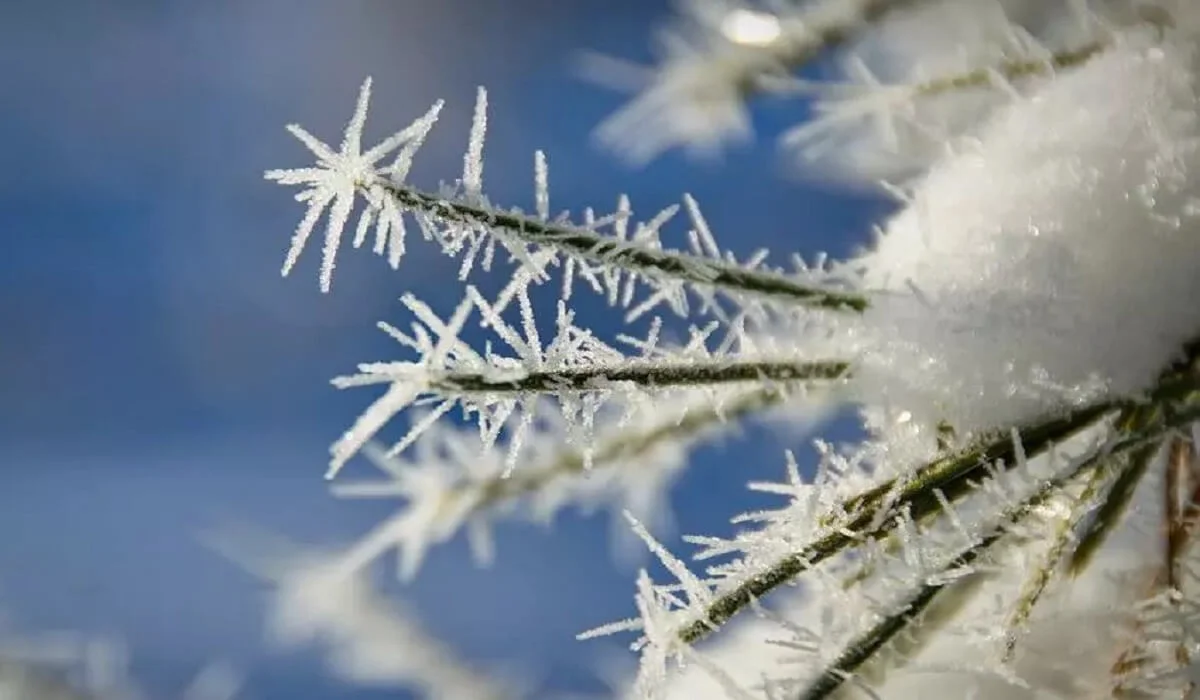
<point>866,644</point>
<point>952,475</point>
<point>1135,466</point>
<point>1122,470</point>
<point>826,36</point>
<point>468,497</point>
<point>1008,70</point>
<point>1177,401</point>
<point>597,248</point>
<point>685,374</point>
<point>708,69</point>
<point>1064,535</point>
<point>611,453</point>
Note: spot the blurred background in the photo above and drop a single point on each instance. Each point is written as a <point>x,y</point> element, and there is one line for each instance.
<point>159,377</point>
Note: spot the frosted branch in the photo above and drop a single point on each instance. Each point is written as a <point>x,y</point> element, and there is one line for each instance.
<point>657,375</point>
<point>463,223</point>
<point>581,372</point>
<point>621,449</point>
<point>1131,470</point>
<point>613,252</point>
<point>449,482</point>
<point>412,383</point>
<point>1063,536</point>
<point>865,646</point>
<point>867,514</point>
<point>1016,310</point>
<point>876,100</point>
<point>694,96</point>
<point>1007,71</point>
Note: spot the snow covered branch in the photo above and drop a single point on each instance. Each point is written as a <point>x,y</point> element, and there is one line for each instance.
<point>860,650</point>
<point>716,55</point>
<point>871,514</point>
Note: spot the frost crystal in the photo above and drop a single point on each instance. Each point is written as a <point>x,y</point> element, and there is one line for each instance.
<point>338,177</point>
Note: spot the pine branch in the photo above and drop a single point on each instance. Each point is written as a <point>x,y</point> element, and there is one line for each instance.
<point>616,452</point>
<point>1008,70</point>
<point>966,463</point>
<point>863,648</point>
<point>648,375</point>
<point>596,248</point>
<point>573,367</point>
<point>695,94</point>
<point>451,484</point>
<point>871,99</point>
<point>825,35</point>
<point>1112,507</point>
<point>1064,536</point>
<point>1178,401</point>
<point>471,225</point>
<point>1142,435</point>
<point>1121,491</point>
<point>866,517</point>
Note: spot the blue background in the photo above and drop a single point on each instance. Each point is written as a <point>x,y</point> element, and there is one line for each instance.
<point>159,377</point>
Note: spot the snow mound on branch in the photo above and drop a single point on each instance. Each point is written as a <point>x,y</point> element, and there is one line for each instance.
<point>1053,257</point>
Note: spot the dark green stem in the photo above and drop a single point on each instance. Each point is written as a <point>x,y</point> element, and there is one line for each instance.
<point>709,373</point>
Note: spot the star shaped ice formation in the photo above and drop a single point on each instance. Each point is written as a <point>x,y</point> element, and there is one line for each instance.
<point>338,175</point>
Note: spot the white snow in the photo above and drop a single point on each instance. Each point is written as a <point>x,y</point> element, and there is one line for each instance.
<point>1053,257</point>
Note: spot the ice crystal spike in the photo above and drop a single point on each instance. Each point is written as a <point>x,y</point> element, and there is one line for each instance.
<point>338,177</point>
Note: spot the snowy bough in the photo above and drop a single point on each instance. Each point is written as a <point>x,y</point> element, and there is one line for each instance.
<point>1022,340</point>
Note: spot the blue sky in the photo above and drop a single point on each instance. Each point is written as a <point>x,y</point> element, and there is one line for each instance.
<point>160,377</point>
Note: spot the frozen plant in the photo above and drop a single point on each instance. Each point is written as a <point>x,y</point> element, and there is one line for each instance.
<point>1022,340</point>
